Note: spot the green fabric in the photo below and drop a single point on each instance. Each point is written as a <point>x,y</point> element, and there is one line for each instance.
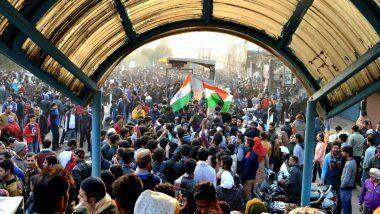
<point>180,103</point>
<point>213,100</point>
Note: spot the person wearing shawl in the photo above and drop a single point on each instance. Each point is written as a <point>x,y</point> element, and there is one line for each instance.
<point>151,202</point>
<point>229,193</point>
<point>93,198</point>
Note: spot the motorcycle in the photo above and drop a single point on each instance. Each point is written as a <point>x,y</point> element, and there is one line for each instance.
<point>278,201</point>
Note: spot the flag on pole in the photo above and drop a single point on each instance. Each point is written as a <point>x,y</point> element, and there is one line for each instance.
<point>183,96</point>
<point>211,95</point>
<point>226,98</point>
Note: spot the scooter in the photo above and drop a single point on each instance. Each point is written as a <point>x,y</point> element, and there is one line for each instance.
<point>278,201</point>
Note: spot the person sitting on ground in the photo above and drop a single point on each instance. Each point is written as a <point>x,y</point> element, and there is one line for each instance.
<point>126,189</point>
<point>93,198</point>
<point>293,184</point>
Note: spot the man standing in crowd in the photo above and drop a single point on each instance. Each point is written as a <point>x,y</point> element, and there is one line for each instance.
<point>41,120</point>
<point>356,141</point>
<point>32,134</point>
<point>71,124</point>
<point>54,125</point>
<point>332,170</point>
<point>9,104</point>
<point>85,127</point>
<point>347,180</point>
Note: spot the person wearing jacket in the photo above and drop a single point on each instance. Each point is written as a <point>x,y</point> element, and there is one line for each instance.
<point>71,124</point>
<point>4,117</point>
<point>85,127</point>
<point>251,164</point>
<point>9,104</point>
<point>32,134</point>
<point>370,193</point>
<point>347,179</point>
<point>332,170</point>
<point>154,113</point>
<point>138,112</point>
<point>81,170</point>
<point>11,130</point>
<point>293,184</point>
<point>53,121</point>
<point>93,198</point>
<point>42,122</point>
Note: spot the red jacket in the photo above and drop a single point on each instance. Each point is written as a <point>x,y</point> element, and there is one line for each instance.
<point>28,133</point>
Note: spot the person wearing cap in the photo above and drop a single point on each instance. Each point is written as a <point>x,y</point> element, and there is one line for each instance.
<point>370,193</point>
<point>20,149</point>
<point>93,198</point>
<point>144,164</point>
<point>81,170</point>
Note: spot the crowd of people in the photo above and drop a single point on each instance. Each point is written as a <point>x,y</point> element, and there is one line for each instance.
<point>154,160</point>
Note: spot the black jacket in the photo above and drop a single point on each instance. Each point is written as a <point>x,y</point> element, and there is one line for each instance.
<point>85,123</point>
<point>80,172</point>
<point>293,186</point>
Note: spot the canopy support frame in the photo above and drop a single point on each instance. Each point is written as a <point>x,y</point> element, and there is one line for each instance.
<point>8,11</point>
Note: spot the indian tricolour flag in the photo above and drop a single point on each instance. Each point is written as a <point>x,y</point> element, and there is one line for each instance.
<point>226,98</point>
<point>183,96</point>
<point>211,95</point>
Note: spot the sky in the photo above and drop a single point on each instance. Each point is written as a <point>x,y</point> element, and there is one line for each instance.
<point>189,45</point>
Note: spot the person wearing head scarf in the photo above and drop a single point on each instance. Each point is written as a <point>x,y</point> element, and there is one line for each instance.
<point>229,193</point>
<point>370,193</point>
<point>150,202</point>
<point>255,206</point>
<point>259,148</point>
